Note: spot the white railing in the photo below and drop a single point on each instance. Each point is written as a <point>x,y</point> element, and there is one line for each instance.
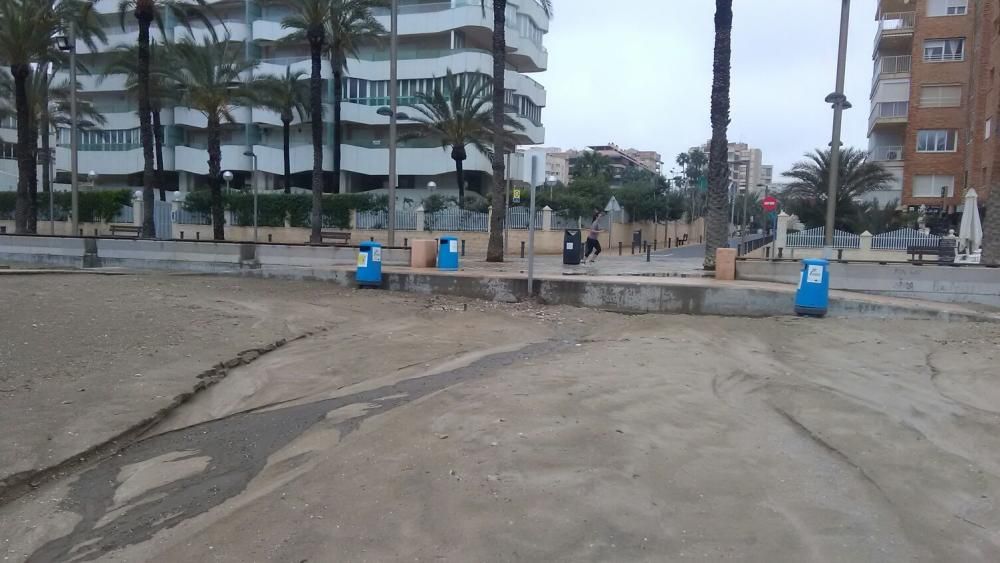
<point>901,239</point>
<point>888,110</point>
<point>517,218</point>
<point>886,154</point>
<point>814,238</point>
<point>895,22</point>
<point>944,57</point>
<point>893,64</point>
<point>405,220</point>
<point>457,220</point>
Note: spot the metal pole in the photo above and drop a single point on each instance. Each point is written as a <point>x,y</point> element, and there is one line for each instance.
<point>393,106</point>
<point>743,229</point>
<point>52,185</point>
<point>73,141</point>
<point>506,232</point>
<point>531,243</point>
<point>253,186</point>
<point>840,103</point>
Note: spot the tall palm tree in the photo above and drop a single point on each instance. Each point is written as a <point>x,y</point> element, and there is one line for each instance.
<point>208,78</point>
<point>350,25</point>
<point>991,229</point>
<point>125,60</point>
<point>27,28</point>
<point>309,20</point>
<point>717,230</point>
<point>808,191</point>
<point>592,164</point>
<point>146,12</point>
<point>494,252</point>
<point>287,96</point>
<point>457,116</point>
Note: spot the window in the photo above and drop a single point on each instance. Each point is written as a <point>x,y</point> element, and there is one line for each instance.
<point>8,151</point>
<point>989,128</point>
<point>940,50</point>
<point>947,7</point>
<point>931,186</point>
<point>937,140</point>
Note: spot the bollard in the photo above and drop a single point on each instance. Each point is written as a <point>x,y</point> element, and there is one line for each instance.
<point>182,235</point>
<point>81,232</point>
<point>648,253</point>
<point>840,254</point>
<point>463,247</point>
<point>522,249</point>
<point>372,239</point>
<point>780,252</point>
<point>95,232</point>
<point>633,248</point>
<point>654,246</point>
<point>269,237</point>
<point>619,248</point>
<point>197,235</point>
<point>767,252</point>
<point>670,243</point>
<point>406,243</point>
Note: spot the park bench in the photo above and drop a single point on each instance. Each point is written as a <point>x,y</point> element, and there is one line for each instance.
<point>336,237</point>
<point>681,241</point>
<point>132,230</point>
<point>945,251</point>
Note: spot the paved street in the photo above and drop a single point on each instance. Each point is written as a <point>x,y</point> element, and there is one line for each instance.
<point>423,428</point>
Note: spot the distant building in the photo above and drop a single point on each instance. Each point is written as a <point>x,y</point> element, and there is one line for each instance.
<point>622,160</point>
<point>740,157</point>
<point>542,163</point>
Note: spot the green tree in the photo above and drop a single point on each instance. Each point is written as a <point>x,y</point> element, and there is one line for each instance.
<point>876,219</point>
<point>579,199</point>
<point>208,77</point>
<point>146,12</point>
<point>591,164</point>
<point>806,195</point>
<point>457,116</point>
<point>717,228</point>
<point>349,25</point>
<point>494,251</point>
<point>643,202</point>
<point>287,96</point>
<point>26,31</point>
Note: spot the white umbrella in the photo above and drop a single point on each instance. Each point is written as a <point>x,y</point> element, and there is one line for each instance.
<point>970,234</point>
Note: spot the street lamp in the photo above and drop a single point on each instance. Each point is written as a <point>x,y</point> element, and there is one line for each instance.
<point>253,188</point>
<point>92,178</point>
<point>839,102</point>
<point>68,43</point>
<point>551,181</point>
<point>227,176</point>
<point>431,186</point>
<point>393,116</point>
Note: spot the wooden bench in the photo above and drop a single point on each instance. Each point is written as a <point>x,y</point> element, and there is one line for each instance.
<point>337,237</point>
<point>132,230</point>
<point>945,251</point>
<point>681,241</point>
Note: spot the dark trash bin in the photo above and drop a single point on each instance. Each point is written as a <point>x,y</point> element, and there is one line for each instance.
<point>572,247</point>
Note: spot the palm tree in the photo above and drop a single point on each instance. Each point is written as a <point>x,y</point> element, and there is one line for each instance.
<point>27,28</point>
<point>991,230</point>
<point>350,25</point>
<point>458,116</point>
<point>125,60</point>
<point>309,19</point>
<point>591,164</point>
<point>807,193</point>
<point>287,96</point>
<point>494,252</point>
<point>717,230</point>
<point>146,12</point>
<point>208,78</point>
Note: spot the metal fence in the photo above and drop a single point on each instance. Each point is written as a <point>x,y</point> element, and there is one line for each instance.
<point>517,218</point>
<point>405,220</point>
<point>814,238</point>
<point>457,220</point>
<point>899,240</point>
<point>185,217</point>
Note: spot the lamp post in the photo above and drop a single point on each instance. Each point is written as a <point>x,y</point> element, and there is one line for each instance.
<point>393,106</point>
<point>227,177</point>
<point>531,242</point>
<point>68,43</point>
<point>839,102</point>
<point>253,188</point>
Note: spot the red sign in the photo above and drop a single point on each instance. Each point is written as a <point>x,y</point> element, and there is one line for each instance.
<point>770,204</point>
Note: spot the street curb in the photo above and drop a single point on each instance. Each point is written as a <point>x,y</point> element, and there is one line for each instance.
<point>17,485</point>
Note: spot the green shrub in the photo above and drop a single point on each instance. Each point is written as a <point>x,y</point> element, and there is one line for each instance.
<point>99,206</point>
<point>272,208</point>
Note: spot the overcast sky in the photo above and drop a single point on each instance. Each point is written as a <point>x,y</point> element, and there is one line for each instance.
<point>639,73</point>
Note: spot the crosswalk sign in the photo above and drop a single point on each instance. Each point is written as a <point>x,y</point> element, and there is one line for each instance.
<point>516,195</point>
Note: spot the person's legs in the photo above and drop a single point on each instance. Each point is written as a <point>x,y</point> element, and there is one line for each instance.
<point>590,248</point>
<point>597,250</point>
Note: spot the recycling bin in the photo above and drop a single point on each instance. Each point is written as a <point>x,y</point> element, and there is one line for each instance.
<point>572,248</point>
<point>369,264</point>
<point>813,295</point>
<point>448,253</point>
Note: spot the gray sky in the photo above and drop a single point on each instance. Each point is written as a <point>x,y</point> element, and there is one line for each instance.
<point>639,73</point>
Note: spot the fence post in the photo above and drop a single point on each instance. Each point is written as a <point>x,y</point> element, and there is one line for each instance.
<point>463,247</point>
<point>137,208</point>
<point>546,218</point>
<point>619,248</point>
<point>489,220</point>
<point>781,234</point>
<point>354,219</point>
<point>420,218</point>
<point>866,242</point>
<point>648,250</point>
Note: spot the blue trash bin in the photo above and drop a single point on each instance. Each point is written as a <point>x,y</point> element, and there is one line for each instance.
<point>813,295</point>
<point>448,253</point>
<point>369,265</point>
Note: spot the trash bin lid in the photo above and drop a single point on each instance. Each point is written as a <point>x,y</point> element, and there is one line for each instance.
<point>447,238</point>
<point>369,244</point>
<point>815,262</point>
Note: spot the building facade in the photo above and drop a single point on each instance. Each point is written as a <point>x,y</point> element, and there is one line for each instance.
<point>622,160</point>
<point>746,165</point>
<point>434,37</point>
<point>934,101</point>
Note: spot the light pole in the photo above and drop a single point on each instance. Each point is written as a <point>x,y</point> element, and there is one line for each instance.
<point>227,177</point>
<point>253,188</point>
<point>531,242</point>
<point>393,106</point>
<point>743,228</point>
<point>69,44</point>
<point>839,102</point>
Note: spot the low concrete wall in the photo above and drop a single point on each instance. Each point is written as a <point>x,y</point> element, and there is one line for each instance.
<point>46,251</point>
<point>946,284</point>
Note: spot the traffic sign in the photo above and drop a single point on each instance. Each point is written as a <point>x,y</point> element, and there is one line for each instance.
<point>517,195</point>
<point>770,204</point>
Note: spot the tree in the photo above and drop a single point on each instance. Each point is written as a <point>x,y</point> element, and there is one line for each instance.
<point>874,218</point>
<point>494,252</point>
<point>806,195</point>
<point>591,164</point>
<point>580,198</point>
<point>146,12</point>
<point>125,60</point>
<point>991,230</point>
<point>26,31</point>
<point>309,19</point>
<point>694,172</point>
<point>208,78</point>
<point>287,96</point>
<point>458,116</point>
<point>643,202</point>
<point>349,25</point>
<point>717,229</point>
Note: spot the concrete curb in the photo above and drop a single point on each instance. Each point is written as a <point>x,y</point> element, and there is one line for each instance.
<point>16,485</point>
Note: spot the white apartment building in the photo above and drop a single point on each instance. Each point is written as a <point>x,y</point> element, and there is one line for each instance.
<point>435,36</point>
<point>746,167</point>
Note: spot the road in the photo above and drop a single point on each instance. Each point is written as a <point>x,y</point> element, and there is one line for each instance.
<point>697,250</point>
<point>447,430</point>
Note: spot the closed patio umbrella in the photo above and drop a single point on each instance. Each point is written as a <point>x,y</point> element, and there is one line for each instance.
<point>970,234</point>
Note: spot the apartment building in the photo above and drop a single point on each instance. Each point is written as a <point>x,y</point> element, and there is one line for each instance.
<point>934,99</point>
<point>622,160</point>
<point>746,165</point>
<point>542,163</point>
<point>435,36</point>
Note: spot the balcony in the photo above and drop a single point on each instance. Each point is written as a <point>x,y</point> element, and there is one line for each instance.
<point>884,113</point>
<point>886,154</point>
<point>895,26</point>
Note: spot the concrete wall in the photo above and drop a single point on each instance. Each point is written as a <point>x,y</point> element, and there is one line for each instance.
<point>947,284</point>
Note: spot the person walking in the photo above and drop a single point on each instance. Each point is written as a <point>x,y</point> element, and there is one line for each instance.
<point>593,244</point>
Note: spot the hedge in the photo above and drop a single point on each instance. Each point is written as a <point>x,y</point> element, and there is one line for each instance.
<point>95,207</point>
<point>273,208</point>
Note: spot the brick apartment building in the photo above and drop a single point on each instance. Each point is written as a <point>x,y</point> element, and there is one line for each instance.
<point>934,99</point>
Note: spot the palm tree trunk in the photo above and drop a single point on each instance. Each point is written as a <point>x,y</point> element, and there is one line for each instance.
<point>25,169</point>
<point>144,14</point>
<point>494,252</point>
<point>717,235</point>
<point>32,225</point>
<point>316,107</point>
<point>338,93</point>
<point>460,178</point>
<point>158,146</point>
<point>215,178</point>
<point>46,157</point>
<point>991,229</point>
<point>286,132</point>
